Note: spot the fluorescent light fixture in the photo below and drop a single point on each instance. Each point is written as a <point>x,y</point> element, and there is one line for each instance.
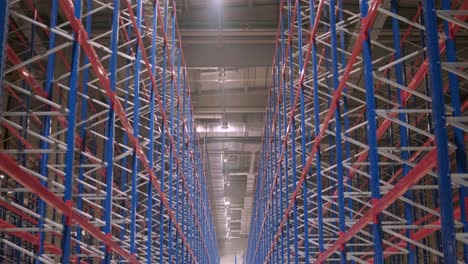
<point>225,124</point>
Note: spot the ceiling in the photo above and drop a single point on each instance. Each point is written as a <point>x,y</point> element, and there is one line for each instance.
<point>229,47</point>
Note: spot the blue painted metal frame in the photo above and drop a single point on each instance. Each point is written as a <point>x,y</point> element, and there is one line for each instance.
<point>163,136</point>
<point>124,164</point>
<point>280,145</point>
<point>82,129</point>
<point>293,135</point>
<point>178,133</point>
<point>403,131</point>
<point>303,138</point>
<point>460,154</point>
<point>338,137</point>
<point>47,124</point>
<point>374,171</point>
<point>440,130</point>
<point>171,130</point>
<point>149,204</point>
<point>318,169</point>
<point>110,127</point>
<point>4,11</point>
<point>285,122</point>
<point>136,129</point>
<point>70,140</point>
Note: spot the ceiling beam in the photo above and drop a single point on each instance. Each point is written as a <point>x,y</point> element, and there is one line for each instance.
<point>236,55</point>
<point>247,139</point>
<point>230,110</point>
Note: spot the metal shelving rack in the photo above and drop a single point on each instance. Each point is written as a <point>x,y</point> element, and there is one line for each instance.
<point>100,161</point>
<point>364,157</point>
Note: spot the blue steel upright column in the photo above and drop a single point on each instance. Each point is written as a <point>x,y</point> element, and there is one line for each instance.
<point>136,118</point>
<point>47,122</point>
<point>399,74</point>
<point>338,137</point>
<point>109,148</point>
<point>374,171</point>
<point>305,197</point>
<point>460,154</point>
<point>70,156</point>
<point>4,9</point>
<point>440,130</point>
<point>149,204</point>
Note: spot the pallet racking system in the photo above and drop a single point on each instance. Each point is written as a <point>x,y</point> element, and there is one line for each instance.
<point>100,161</point>
<point>364,157</point>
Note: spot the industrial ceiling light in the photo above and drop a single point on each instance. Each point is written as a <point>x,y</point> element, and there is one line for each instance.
<point>225,124</point>
<point>221,73</point>
<point>227,202</point>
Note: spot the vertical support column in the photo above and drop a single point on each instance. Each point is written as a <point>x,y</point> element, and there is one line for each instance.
<point>70,140</point>
<point>319,180</point>
<point>171,131</point>
<point>46,121</point>
<point>184,140</point>
<point>276,216</point>
<point>179,123</point>
<point>346,117</point>
<point>303,135</point>
<point>149,204</point>
<point>82,129</point>
<point>136,130</point>
<point>293,129</point>
<point>124,164</point>
<point>440,131</point>
<point>460,154</point>
<point>285,118</point>
<point>110,129</point>
<point>280,151</point>
<point>269,176</point>
<point>338,139</point>
<point>374,172</point>
<point>399,74</point>
<point>4,10</point>
<point>163,139</point>
<point>267,237</point>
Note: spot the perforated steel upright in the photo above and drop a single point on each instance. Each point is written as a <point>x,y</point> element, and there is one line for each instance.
<point>100,161</point>
<point>364,156</point>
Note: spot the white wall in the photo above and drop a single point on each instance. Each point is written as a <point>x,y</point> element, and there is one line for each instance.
<point>230,259</point>
<point>229,248</point>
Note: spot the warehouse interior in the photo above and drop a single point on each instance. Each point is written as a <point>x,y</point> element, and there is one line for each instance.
<point>233,131</point>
